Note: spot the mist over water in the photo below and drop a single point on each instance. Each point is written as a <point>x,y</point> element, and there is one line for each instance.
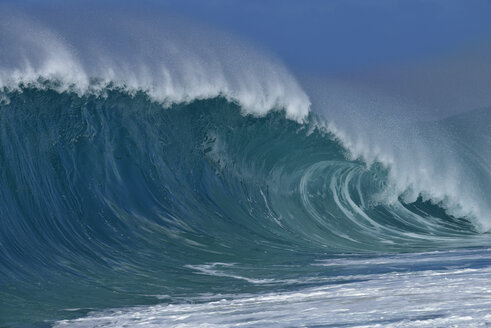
<point>160,172</point>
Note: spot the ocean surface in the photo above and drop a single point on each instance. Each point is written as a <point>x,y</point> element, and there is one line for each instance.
<point>204,188</point>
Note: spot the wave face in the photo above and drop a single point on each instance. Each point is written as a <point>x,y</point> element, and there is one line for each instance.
<point>114,200</point>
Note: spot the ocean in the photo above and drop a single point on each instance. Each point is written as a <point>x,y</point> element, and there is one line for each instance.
<point>155,181</point>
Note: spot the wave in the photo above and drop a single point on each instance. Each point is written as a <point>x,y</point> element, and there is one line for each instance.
<point>90,173</point>
<point>174,61</point>
<point>119,190</point>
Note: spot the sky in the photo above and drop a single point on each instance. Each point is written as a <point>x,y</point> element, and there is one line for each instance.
<point>343,36</point>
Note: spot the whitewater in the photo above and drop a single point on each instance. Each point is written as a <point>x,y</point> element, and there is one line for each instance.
<point>159,173</point>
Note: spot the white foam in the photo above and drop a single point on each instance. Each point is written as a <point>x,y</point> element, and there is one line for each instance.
<point>430,298</point>
<point>171,61</point>
<point>213,269</point>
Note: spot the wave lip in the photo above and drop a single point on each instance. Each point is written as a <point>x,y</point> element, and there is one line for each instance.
<point>170,62</point>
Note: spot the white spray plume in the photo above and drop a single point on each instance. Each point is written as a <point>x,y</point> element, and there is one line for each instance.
<point>170,61</point>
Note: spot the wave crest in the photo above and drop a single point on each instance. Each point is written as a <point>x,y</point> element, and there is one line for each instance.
<point>171,61</point>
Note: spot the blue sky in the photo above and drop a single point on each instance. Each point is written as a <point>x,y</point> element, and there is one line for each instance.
<point>337,36</point>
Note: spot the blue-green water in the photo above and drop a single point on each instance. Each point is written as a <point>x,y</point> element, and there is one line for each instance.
<point>114,202</point>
